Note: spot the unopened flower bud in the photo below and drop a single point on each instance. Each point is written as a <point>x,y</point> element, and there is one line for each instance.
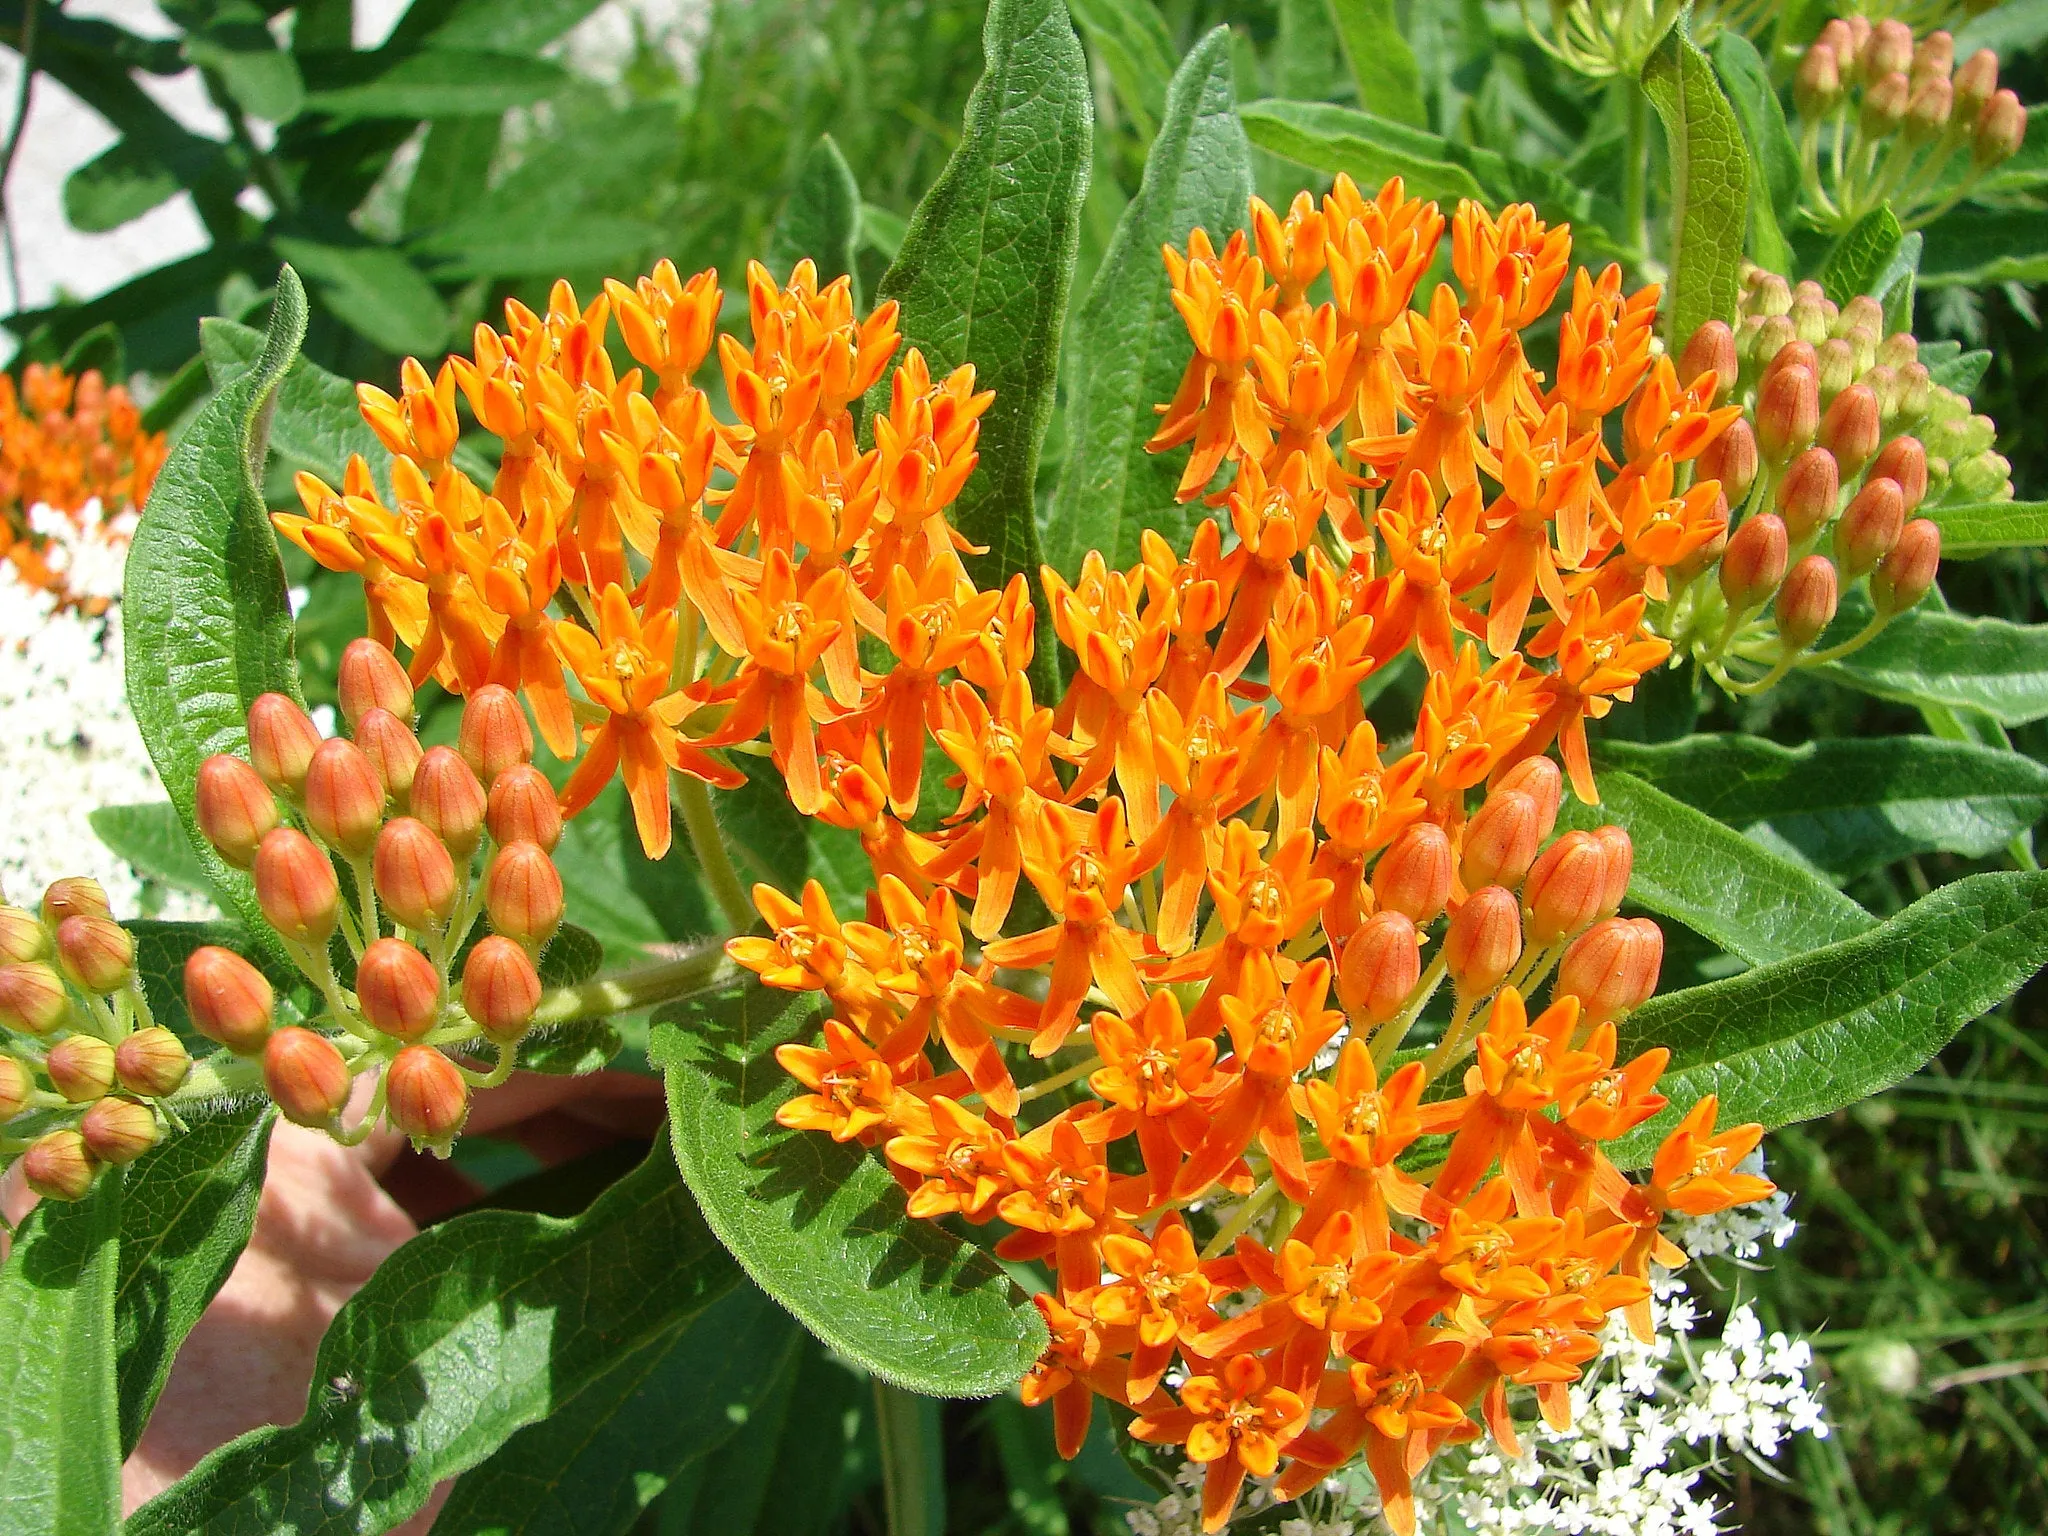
<point>371,678</point>
<point>1712,346</point>
<point>22,936</point>
<point>501,988</point>
<point>296,888</point>
<point>1916,395</point>
<point>1708,555</point>
<point>1850,429</point>
<point>1612,967</point>
<point>1869,527</point>
<point>1899,349</point>
<point>1565,888</point>
<point>32,998</point>
<point>306,1075</point>
<point>1858,35</point>
<point>1787,413</point>
<point>1935,58</point>
<point>1904,462</point>
<point>234,806</point>
<point>1888,52</point>
<point>1928,108</point>
<point>1813,316</point>
<point>1731,459</point>
<point>1768,295</point>
<point>448,798</point>
<point>1984,476</point>
<point>1773,339</point>
<point>494,732</point>
<point>1806,602</point>
<point>81,1068</point>
<point>1540,779</point>
<point>523,892</point>
<point>1758,553</point>
<point>399,989</point>
<point>1884,105</point>
<point>229,999</point>
<point>1817,88</point>
<point>74,896</point>
<point>414,876</point>
<point>15,1087</point>
<point>1975,82</point>
<point>1483,941</point>
<point>1621,863</point>
<point>96,953</point>
<point>58,1166</point>
<point>1806,496</point>
<point>523,809</point>
<point>393,753</point>
<point>1860,313</point>
<point>1413,877</point>
<point>1904,576</point>
<point>118,1131</point>
<point>344,798</point>
<point>426,1096</point>
<point>152,1063</point>
<point>1837,368</point>
<point>2001,129</point>
<point>282,741</point>
<point>1501,841</point>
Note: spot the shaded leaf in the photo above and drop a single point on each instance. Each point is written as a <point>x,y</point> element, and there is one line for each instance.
<point>1774,186</point>
<point>1389,83</point>
<point>1929,657</point>
<point>1131,40</point>
<point>1976,247</point>
<point>820,220</point>
<point>1709,185</point>
<point>444,82</point>
<point>379,294</point>
<point>509,26</point>
<point>153,840</point>
<point>122,182</point>
<point>1368,148</point>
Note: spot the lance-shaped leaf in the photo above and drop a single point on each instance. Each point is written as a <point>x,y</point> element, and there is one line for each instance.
<point>1132,343</point>
<point>1131,40</point>
<point>984,270</point>
<point>1979,527</point>
<point>1928,657</point>
<point>1805,1036</point>
<point>1714,880</point>
<point>1710,174</point>
<point>821,220</point>
<point>186,1215</point>
<point>464,1336</point>
<point>1859,258</point>
<point>60,1450</point>
<point>1774,183</point>
<point>1389,82</point>
<point>1847,806</point>
<point>206,621</point>
<point>152,839</point>
<point>315,422</point>
<point>821,1225</point>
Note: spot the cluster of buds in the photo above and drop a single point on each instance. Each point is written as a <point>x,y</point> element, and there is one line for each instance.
<point>396,852</point>
<point>86,1074</point>
<point>67,444</point>
<point>1826,473</point>
<point>1882,119</point>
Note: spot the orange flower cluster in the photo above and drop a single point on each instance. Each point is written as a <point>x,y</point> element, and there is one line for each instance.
<point>65,442</point>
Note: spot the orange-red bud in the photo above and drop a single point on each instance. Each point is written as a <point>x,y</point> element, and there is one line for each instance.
<point>22,936</point>
<point>1731,459</point>
<point>282,741</point>
<point>1565,888</point>
<point>500,988</point>
<point>152,1063</point>
<point>1787,412</point>
<point>1612,967</point>
<point>1413,877</point>
<point>1807,495</point>
<point>81,1068</point>
<point>371,678</point>
<point>1755,563</point>
<point>1817,88</point>
<point>1381,964</point>
<point>1884,105</point>
<point>234,806</point>
<point>229,999</point>
<point>1975,82</point>
<point>1903,460</point>
<point>1806,602</point>
<point>392,750</point>
<point>96,953</point>
<point>1621,863</point>
<point>2001,129</point>
<point>296,888</point>
<point>118,1131</point>
<point>1542,781</point>
<point>1870,526</point>
<point>306,1075</point>
<point>426,1096</point>
<point>1484,941</point>
<point>414,876</point>
<point>15,1087</point>
<point>1712,346</point>
<point>448,798</point>
<point>1889,50</point>
<point>1501,840</point>
<point>398,988</point>
<point>494,733</point>
<point>1904,576</point>
<point>1850,429</point>
<point>523,894</point>
<point>32,998</point>
<point>58,1166</point>
<point>75,896</point>
<point>522,808</point>
<point>344,798</point>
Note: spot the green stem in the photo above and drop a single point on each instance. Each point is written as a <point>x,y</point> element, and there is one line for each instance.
<point>908,1476</point>
<point>636,989</point>
<point>1635,186</point>
<point>693,799</point>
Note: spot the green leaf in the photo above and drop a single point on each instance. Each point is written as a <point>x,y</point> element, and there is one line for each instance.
<point>152,838</point>
<point>1709,185</point>
<point>1131,40</point>
<point>234,45</point>
<point>575,1049</point>
<point>160,953</point>
<point>2018,26</point>
<point>1927,657</point>
<point>1858,258</point>
<point>1131,343</point>
<point>464,1336</point>
<point>1714,880</point>
<point>1368,148</point>
<point>207,620</point>
<point>1975,247</point>
<point>186,1214</point>
<point>1389,83</point>
<point>510,26</point>
<point>454,171</point>
<point>101,348</point>
<point>1810,1034</point>
<point>1851,805</point>
<point>315,422</point>
<point>122,182</point>
<point>820,1225</point>
<point>376,292</point>
<point>881,230</point>
<point>1980,527</point>
<point>821,219</point>
<point>60,1453</point>
<point>444,82</point>
<point>485,245</point>
<point>572,957</point>
<point>985,267</point>
<point>1952,368</point>
<point>1774,158</point>
<point>608,1452</point>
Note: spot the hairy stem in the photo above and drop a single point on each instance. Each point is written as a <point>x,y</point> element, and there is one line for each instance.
<point>908,1477</point>
<point>694,801</point>
<point>636,989</point>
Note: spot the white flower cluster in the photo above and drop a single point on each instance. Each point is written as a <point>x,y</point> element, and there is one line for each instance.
<point>70,744</point>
